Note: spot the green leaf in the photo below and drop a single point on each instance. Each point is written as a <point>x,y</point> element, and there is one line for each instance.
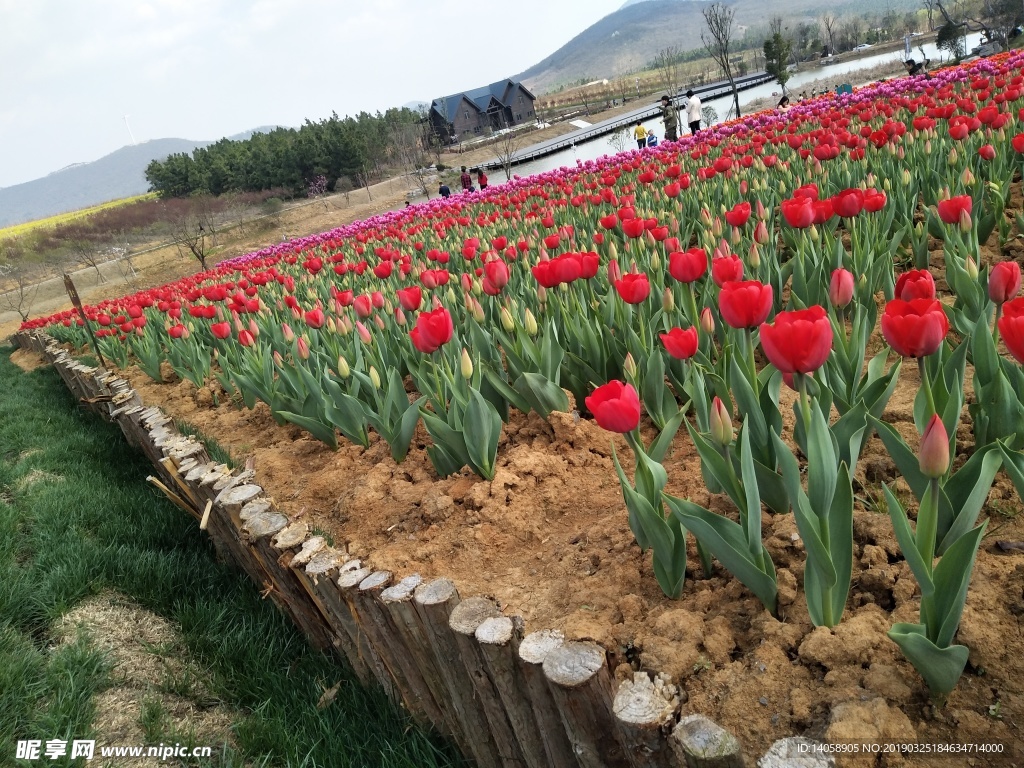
<point>322,432</point>
<point>497,380</point>
<point>725,540</point>
<point>751,510</point>
<point>940,667</point>
<point>543,395</point>
<point>481,432</point>
<point>449,440</point>
<point>966,491</point>
<point>632,507</point>
<point>822,464</point>
<point>659,448</point>
<point>717,466</point>
<point>952,576</point>
<point>908,543</point>
<point>840,544</point>
<point>403,437</point>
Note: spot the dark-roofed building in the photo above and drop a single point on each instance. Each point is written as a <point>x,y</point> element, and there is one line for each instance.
<point>477,112</point>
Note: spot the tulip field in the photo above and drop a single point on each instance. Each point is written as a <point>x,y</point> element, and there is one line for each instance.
<point>750,299</point>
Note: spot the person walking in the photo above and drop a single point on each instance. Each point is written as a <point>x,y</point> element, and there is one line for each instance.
<point>640,134</point>
<point>466,180</point>
<point>693,114</point>
<point>670,118</point>
<point>443,190</point>
<point>481,179</point>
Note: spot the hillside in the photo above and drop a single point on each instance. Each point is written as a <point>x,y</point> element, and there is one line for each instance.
<point>119,174</point>
<point>628,39</point>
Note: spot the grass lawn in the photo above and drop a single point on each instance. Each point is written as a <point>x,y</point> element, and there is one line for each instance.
<point>77,521</point>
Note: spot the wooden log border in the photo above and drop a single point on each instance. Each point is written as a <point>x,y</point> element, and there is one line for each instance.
<point>454,663</point>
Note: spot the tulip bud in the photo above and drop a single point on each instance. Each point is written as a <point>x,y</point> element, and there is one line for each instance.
<point>655,261</point>
<point>928,147</point>
<point>754,257</point>
<point>840,289</point>
<point>934,454</point>
<point>971,268</point>
<point>400,317</point>
<point>716,227</point>
<point>613,252</point>
<point>614,273</point>
<point>542,293</point>
<point>862,282</point>
<point>364,334</point>
<point>278,360</point>
<point>374,377</point>
<point>761,235</point>
<point>907,178</point>
<point>629,366</point>
<point>721,423</point>
<point>965,221</point>
<point>813,232</point>
<point>736,236</point>
<point>705,217</point>
<point>379,321</point>
<point>668,301</point>
<point>466,365</point>
<point>967,177</point>
<point>707,321</point>
<point>886,184</point>
<point>530,323</point>
<point>303,348</point>
<point>343,370</point>
<point>506,320</point>
<point>477,311</point>
<point>952,156</point>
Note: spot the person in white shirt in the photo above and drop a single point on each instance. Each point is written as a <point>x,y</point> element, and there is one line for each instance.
<point>693,115</point>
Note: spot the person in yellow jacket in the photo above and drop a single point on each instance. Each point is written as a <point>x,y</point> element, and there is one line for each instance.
<point>640,134</point>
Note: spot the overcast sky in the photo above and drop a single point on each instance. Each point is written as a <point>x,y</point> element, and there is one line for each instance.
<point>202,69</point>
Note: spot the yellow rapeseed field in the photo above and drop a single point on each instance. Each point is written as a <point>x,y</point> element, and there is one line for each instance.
<point>17,230</point>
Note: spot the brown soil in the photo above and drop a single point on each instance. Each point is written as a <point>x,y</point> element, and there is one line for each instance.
<point>548,539</point>
<point>27,360</point>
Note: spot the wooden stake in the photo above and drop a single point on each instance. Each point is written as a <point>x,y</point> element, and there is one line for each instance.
<point>578,678</point>
<point>533,649</point>
<point>206,516</point>
<point>644,715</point>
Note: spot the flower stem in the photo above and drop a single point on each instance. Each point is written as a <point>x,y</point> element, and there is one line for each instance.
<point>926,385</point>
<point>995,324</point>
<point>748,335</point>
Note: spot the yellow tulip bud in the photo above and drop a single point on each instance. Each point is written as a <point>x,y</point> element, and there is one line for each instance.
<point>466,365</point>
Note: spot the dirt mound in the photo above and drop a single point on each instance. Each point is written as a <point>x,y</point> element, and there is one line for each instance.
<point>548,539</point>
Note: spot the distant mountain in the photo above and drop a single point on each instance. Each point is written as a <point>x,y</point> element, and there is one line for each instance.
<point>628,39</point>
<point>119,174</point>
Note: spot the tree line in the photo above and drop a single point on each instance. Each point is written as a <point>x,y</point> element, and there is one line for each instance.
<point>347,152</point>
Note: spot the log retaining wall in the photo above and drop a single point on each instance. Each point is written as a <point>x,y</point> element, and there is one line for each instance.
<point>453,662</point>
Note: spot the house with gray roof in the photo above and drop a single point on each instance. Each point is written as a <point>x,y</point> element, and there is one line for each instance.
<point>477,112</point>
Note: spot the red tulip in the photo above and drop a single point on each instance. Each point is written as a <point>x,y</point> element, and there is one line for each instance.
<point>1011,328</point>
<point>726,269</point>
<point>497,272</point>
<point>246,339</point>
<point>745,304</point>
<point>798,212</point>
<point>688,266</point>
<point>798,341</point>
<point>221,330</point>
<point>809,191</point>
<point>739,214</point>
<point>363,306</point>
<point>633,288</point>
<point>433,329</point>
<point>1018,143</point>
<point>544,274</point>
<point>1004,281</point>
<point>823,210</point>
<point>315,318</point>
<point>874,200</point>
<point>915,284</point>
<point>410,298</point>
<point>914,328</point>
<point>176,331</point>
<point>616,407</point>
<point>949,210</point>
<point>840,288</point>
<point>987,152</point>
<point>565,269</point>
<point>634,227</point>
<point>679,343</point>
<point>848,203</point>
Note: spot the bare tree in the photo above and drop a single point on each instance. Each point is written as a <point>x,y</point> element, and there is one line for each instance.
<point>86,252</point>
<point>407,152</point>
<point>509,142</point>
<point>993,18</point>
<point>830,22</point>
<point>717,39</point>
<point>194,229</point>
<point>929,7</point>
<point>619,140</point>
<point>667,64</point>
<point>24,279</point>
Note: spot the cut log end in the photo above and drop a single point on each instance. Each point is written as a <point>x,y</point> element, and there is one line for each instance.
<point>435,592</point>
<point>402,591</point>
<point>471,613</point>
<point>350,579</point>
<point>573,664</point>
<point>374,581</point>
<point>294,535</point>
<point>263,525</point>
<point>495,631</point>
<point>640,702</point>
<point>536,646</point>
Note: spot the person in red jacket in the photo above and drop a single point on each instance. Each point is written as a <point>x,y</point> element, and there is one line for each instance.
<point>481,178</point>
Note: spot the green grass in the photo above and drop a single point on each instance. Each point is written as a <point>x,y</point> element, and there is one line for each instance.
<point>101,527</point>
